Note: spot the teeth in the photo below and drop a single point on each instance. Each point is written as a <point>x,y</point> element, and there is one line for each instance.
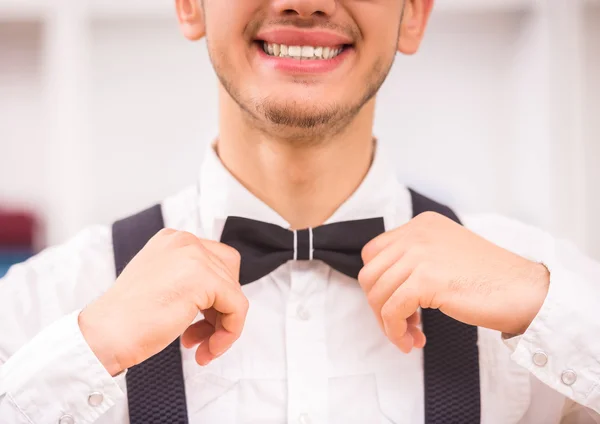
<point>308,51</point>
<point>295,51</point>
<point>301,52</point>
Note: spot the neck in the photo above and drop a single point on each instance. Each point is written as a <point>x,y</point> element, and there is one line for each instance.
<point>304,182</point>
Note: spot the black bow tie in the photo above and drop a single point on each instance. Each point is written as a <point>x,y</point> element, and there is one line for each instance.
<point>265,247</point>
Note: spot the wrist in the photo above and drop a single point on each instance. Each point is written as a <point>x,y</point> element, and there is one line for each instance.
<point>99,345</point>
<point>537,286</point>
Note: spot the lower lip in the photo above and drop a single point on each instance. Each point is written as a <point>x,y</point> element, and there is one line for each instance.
<point>303,66</point>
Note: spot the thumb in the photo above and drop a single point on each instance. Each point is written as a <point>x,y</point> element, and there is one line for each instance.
<point>227,256</point>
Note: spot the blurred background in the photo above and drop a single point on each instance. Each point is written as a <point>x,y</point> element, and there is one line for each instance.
<point>106,109</point>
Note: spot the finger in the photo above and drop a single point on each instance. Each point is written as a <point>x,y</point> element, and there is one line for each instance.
<point>405,343</point>
<point>219,342</point>
<point>225,276</point>
<point>233,304</point>
<point>197,333</point>
<point>219,267</point>
<point>385,287</point>
<point>414,319</point>
<point>403,303</point>
<point>203,355</point>
<point>375,246</point>
<point>211,315</point>
<point>373,271</point>
<point>419,339</point>
<point>226,255</point>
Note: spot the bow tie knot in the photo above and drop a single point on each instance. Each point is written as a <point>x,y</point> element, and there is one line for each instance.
<point>265,247</point>
<point>303,245</point>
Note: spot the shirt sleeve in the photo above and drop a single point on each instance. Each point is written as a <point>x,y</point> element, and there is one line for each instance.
<point>561,347</point>
<point>48,373</point>
<point>56,376</point>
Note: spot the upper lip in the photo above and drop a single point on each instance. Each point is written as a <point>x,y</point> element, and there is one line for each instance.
<point>298,37</point>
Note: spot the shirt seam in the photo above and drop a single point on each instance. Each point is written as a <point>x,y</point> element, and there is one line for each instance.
<point>590,391</point>
<point>14,403</point>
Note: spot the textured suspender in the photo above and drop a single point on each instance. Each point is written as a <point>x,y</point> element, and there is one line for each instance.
<point>451,356</point>
<point>155,388</point>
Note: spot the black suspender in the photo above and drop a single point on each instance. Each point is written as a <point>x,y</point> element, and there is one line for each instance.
<point>451,356</point>
<point>155,388</point>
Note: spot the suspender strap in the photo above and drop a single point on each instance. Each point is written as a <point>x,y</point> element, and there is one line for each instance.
<point>155,388</point>
<point>451,356</point>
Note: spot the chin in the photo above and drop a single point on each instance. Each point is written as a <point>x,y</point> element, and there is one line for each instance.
<point>305,115</point>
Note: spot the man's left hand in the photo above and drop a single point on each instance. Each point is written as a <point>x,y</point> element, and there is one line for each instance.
<point>433,262</point>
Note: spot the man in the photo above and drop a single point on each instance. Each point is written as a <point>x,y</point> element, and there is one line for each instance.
<point>294,271</point>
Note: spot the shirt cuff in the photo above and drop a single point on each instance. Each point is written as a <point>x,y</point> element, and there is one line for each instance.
<point>561,347</point>
<point>57,378</point>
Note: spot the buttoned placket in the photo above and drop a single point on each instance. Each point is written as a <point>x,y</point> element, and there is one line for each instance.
<point>307,366</point>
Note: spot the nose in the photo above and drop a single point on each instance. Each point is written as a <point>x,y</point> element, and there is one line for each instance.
<point>305,8</point>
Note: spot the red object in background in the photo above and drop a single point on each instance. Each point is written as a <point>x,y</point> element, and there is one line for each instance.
<point>17,229</point>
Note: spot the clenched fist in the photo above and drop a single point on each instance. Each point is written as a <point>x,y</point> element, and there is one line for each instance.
<point>158,296</point>
<point>433,262</point>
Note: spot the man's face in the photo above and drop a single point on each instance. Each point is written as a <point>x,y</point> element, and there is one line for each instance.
<point>302,66</point>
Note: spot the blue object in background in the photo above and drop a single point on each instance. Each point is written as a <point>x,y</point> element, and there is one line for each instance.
<point>10,257</point>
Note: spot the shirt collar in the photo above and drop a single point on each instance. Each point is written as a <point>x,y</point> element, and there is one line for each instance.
<point>221,195</point>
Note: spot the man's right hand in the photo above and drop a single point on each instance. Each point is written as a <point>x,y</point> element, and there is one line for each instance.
<point>158,296</point>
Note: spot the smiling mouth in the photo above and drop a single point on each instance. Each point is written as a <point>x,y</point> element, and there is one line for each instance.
<point>302,52</point>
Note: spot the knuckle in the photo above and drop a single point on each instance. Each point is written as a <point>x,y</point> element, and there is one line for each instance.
<point>365,277</point>
<point>245,304</point>
<point>191,252</point>
<point>232,255</point>
<point>428,217</point>
<point>409,292</point>
<point>424,274</point>
<point>205,299</point>
<point>165,232</point>
<point>193,272</point>
<point>389,312</point>
<point>373,299</point>
<point>416,253</point>
<point>367,252</point>
<point>184,239</point>
<point>163,236</point>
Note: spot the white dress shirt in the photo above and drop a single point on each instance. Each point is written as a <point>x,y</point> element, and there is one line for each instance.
<point>311,351</point>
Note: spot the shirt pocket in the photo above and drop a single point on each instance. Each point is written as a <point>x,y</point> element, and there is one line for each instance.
<point>401,398</point>
<point>375,398</point>
<point>212,398</point>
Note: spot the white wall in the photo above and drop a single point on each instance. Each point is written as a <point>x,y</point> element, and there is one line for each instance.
<point>470,119</point>
<point>22,164</point>
<point>153,108</point>
<point>592,128</point>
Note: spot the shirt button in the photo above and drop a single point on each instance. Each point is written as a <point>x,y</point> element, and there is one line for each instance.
<point>540,358</point>
<point>302,313</point>
<point>303,419</point>
<point>66,419</point>
<point>569,377</point>
<point>95,399</point>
